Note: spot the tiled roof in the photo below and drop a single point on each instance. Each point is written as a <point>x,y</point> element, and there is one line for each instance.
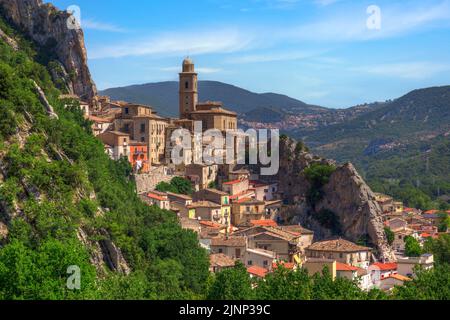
<point>337,245</point>
<point>298,229</point>
<point>399,277</point>
<point>210,224</point>
<point>287,265</point>
<point>229,183</point>
<point>204,204</point>
<point>230,242</point>
<point>181,196</point>
<point>431,211</point>
<point>257,271</point>
<point>386,266</point>
<point>344,267</point>
<point>250,201</point>
<point>218,192</point>
<point>221,260</point>
<point>264,223</point>
<point>157,196</point>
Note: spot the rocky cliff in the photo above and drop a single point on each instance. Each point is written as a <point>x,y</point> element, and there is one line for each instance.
<point>49,28</point>
<point>346,198</point>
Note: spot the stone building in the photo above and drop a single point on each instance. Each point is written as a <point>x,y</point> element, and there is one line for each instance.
<point>342,251</point>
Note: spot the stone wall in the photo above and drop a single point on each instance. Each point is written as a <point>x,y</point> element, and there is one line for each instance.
<point>148,181</point>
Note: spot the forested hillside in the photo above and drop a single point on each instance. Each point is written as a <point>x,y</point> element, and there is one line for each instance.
<point>57,184</point>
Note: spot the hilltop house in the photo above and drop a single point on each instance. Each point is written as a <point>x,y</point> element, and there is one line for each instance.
<point>342,251</point>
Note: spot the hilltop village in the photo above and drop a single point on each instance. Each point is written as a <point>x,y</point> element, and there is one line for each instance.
<point>237,215</point>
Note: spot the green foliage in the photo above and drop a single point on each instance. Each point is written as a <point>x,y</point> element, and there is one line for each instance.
<point>232,284</point>
<point>433,284</point>
<point>318,176</point>
<point>440,248</point>
<point>52,177</point>
<point>177,185</point>
<point>41,273</point>
<point>412,247</point>
<point>283,284</point>
<point>444,223</point>
<point>389,235</point>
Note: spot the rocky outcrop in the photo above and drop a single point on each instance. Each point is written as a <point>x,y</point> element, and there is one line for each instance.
<point>48,107</point>
<point>49,28</point>
<point>346,196</point>
<point>10,41</point>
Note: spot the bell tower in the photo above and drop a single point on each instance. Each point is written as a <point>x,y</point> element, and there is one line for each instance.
<point>188,89</point>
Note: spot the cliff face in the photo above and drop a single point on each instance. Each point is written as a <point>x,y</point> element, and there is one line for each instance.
<point>346,195</point>
<point>48,27</point>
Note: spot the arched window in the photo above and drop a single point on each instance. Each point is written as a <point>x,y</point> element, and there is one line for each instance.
<point>186,85</point>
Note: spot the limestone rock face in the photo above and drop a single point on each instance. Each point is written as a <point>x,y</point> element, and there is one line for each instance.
<point>346,195</point>
<point>49,28</point>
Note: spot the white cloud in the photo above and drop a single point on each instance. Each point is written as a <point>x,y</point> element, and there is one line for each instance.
<point>189,43</point>
<point>100,26</point>
<point>274,56</point>
<point>324,3</point>
<point>395,21</point>
<point>407,70</point>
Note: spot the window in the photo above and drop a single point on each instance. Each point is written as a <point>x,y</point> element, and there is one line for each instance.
<point>238,253</point>
<point>265,263</point>
<point>142,127</point>
<point>142,139</point>
<point>126,128</point>
<point>220,251</point>
<point>127,111</point>
<point>186,85</point>
<point>250,262</point>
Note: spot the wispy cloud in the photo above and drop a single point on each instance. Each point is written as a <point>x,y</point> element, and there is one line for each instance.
<point>395,20</point>
<point>192,43</point>
<point>274,56</point>
<point>408,70</point>
<point>325,3</point>
<point>91,24</point>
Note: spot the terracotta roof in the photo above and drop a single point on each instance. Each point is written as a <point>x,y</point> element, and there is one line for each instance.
<point>344,267</point>
<point>181,196</point>
<point>250,201</point>
<point>217,110</point>
<point>221,260</point>
<point>399,277</point>
<point>268,223</point>
<point>229,183</point>
<point>386,266</point>
<point>257,271</point>
<point>337,245</point>
<point>296,229</point>
<point>210,224</point>
<point>100,120</point>
<point>157,196</point>
<point>204,204</point>
<point>431,211</point>
<point>221,193</point>
<point>287,265</point>
<point>230,242</point>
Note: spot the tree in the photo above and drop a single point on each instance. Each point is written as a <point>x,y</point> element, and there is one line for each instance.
<point>444,223</point>
<point>284,284</point>
<point>232,284</point>
<point>389,235</point>
<point>412,247</point>
<point>440,248</point>
<point>433,284</point>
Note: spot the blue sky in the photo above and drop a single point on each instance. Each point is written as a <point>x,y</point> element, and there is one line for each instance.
<point>318,51</point>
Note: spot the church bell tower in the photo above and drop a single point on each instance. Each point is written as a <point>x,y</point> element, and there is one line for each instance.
<point>188,89</point>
